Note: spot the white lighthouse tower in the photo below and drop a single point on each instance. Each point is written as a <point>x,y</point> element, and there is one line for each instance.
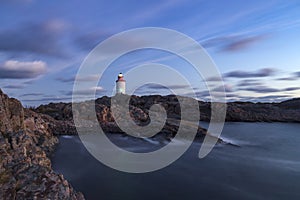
<point>120,84</point>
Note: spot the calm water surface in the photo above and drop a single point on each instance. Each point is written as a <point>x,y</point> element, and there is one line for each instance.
<point>265,166</point>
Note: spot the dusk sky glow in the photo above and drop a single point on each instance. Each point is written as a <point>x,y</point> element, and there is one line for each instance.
<point>254,44</point>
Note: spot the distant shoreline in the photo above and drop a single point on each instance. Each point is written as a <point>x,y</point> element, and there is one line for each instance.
<point>285,111</point>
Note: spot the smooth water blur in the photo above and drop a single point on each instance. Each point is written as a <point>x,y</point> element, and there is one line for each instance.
<point>265,166</point>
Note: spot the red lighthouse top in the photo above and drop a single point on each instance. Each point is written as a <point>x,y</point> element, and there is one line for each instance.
<point>120,77</point>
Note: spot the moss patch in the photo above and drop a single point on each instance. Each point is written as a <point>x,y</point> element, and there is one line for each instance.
<point>5,177</point>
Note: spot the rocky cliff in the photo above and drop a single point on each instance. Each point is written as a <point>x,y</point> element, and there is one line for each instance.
<point>26,140</point>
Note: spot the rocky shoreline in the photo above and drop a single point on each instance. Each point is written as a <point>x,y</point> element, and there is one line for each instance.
<point>28,136</point>
<point>286,111</point>
<point>26,141</point>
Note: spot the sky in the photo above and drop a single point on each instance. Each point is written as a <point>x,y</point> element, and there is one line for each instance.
<point>254,44</point>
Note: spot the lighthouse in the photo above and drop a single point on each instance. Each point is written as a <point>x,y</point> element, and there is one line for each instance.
<point>120,84</point>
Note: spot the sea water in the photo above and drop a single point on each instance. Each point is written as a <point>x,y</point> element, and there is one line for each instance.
<point>265,164</point>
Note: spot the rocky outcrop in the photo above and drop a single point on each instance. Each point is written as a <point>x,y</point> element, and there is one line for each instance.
<point>62,122</point>
<point>26,140</point>
<point>286,111</point>
<point>62,117</point>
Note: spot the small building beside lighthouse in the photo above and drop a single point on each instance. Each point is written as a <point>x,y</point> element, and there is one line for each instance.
<point>120,84</point>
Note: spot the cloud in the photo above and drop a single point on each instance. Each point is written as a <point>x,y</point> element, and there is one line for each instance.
<point>232,95</point>
<point>261,89</point>
<point>265,72</point>
<point>297,74</point>
<point>269,98</point>
<point>78,78</point>
<point>291,78</point>
<point>161,87</point>
<point>55,26</point>
<point>31,94</point>
<point>42,39</point>
<point>258,87</point>
<point>48,99</point>
<point>65,80</point>
<point>89,40</point>
<point>249,82</point>
<point>232,43</point>
<point>242,43</point>
<point>98,90</point>
<point>215,79</point>
<point>199,94</point>
<point>13,69</point>
<point>227,88</point>
<point>14,86</point>
<point>291,89</point>
<point>152,88</point>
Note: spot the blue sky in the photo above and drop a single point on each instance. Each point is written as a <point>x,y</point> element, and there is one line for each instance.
<point>255,44</point>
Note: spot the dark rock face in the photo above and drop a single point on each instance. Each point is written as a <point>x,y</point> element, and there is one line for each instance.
<point>287,111</point>
<point>138,109</point>
<point>11,114</point>
<point>26,140</point>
